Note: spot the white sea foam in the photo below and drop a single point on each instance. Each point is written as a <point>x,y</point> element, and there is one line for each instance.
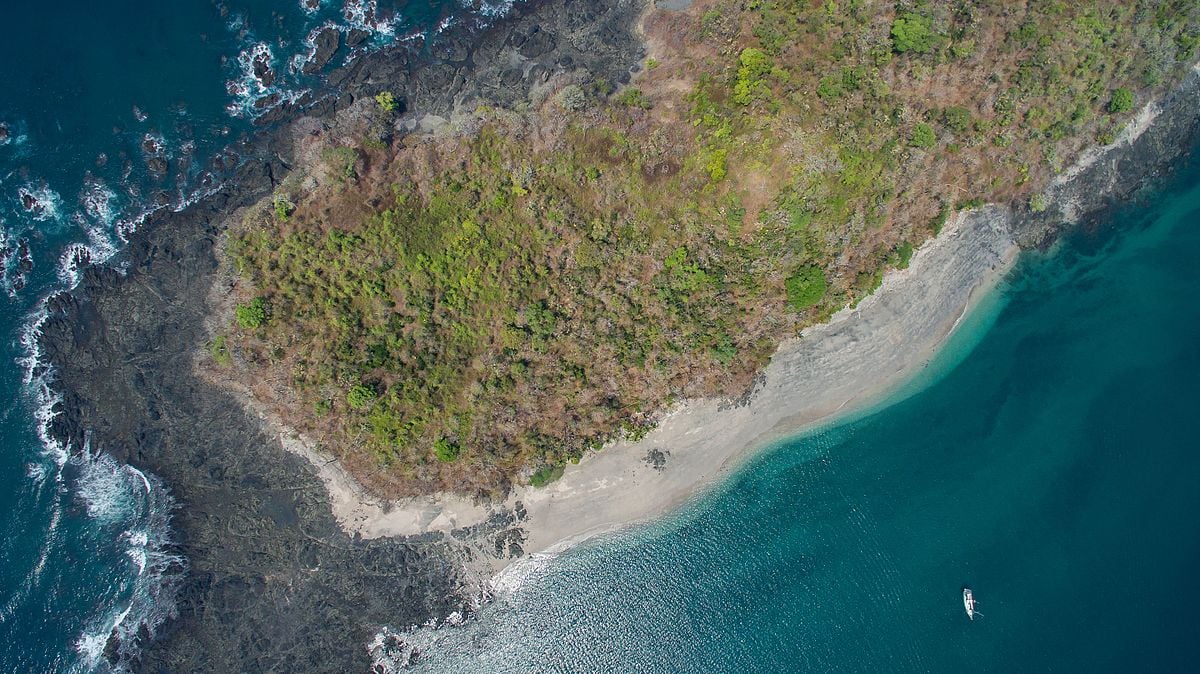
<point>248,87</point>
<point>103,486</point>
<point>311,7</point>
<point>100,203</point>
<point>520,574</point>
<point>46,204</point>
<point>364,15</point>
<point>299,60</point>
<point>444,25</point>
<point>390,652</point>
<point>154,145</point>
<point>114,495</point>
<point>491,10</point>
<point>36,378</point>
<point>118,495</point>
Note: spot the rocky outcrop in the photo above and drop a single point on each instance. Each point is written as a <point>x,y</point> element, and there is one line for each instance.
<point>1147,150</point>
<point>325,45</point>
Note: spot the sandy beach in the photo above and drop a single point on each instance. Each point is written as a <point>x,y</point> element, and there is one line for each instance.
<point>832,370</point>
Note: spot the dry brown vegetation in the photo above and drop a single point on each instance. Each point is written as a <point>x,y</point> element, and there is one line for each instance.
<point>461,311</point>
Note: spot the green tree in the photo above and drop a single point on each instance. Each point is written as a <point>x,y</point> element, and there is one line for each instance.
<point>923,136</point>
<point>957,118</point>
<point>634,98</point>
<point>1121,102</point>
<point>360,396</point>
<point>446,451</point>
<point>830,87</point>
<point>387,101</point>
<point>252,315</point>
<point>753,67</point>
<point>806,287</point>
<point>912,32</point>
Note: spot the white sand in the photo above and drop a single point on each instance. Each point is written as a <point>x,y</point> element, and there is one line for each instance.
<point>832,369</point>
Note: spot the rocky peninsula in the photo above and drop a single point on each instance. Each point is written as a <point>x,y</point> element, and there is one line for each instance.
<point>292,564</point>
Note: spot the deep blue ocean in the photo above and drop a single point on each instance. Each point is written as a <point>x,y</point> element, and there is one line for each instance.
<point>1049,459</point>
<point>108,110</point>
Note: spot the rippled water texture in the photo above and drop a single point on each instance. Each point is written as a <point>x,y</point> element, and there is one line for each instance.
<point>1052,466</point>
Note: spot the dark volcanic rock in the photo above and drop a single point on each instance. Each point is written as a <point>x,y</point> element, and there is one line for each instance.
<point>356,37</point>
<point>273,583</point>
<point>262,69</point>
<point>326,43</point>
<point>1122,172</point>
<point>538,43</point>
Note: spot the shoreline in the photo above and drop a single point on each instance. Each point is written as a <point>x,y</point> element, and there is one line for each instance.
<point>845,365</point>
<point>252,520</point>
<point>257,526</point>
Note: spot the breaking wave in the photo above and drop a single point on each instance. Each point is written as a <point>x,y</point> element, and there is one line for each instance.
<point>393,650</point>
<point>120,497</point>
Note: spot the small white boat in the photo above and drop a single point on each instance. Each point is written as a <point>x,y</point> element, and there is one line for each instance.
<point>969,603</point>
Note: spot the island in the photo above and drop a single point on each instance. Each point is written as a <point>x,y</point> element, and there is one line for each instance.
<point>555,275</point>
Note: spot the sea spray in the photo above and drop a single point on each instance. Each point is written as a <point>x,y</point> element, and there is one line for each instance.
<point>121,498</point>
<point>118,498</point>
<point>393,650</point>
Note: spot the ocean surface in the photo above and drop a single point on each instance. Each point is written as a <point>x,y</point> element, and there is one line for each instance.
<point>109,110</point>
<point>1049,459</point>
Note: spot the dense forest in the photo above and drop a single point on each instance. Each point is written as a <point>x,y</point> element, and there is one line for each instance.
<point>474,308</point>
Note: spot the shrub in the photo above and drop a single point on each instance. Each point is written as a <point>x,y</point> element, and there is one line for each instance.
<point>923,136</point>
<point>753,66</point>
<point>904,255</point>
<point>957,118</point>
<point>572,98</point>
<point>360,396</point>
<point>283,207</point>
<point>634,98</point>
<point>251,316</point>
<point>716,165</point>
<point>1037,203</point>
<point>806,287</point>
<point>387,101</point>
<point>342,162</point>
<point>219,351</point>
<point>1121,102</point>
<point>445,450</point>
<point>545,475</point>
<point>913,33</point>
<point>830,87</point>
<point>938,221</point>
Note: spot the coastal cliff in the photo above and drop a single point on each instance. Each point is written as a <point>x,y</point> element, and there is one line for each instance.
<point>274,581</point>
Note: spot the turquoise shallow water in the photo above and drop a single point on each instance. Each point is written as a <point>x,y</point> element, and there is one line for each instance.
<point>1050,461</point>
